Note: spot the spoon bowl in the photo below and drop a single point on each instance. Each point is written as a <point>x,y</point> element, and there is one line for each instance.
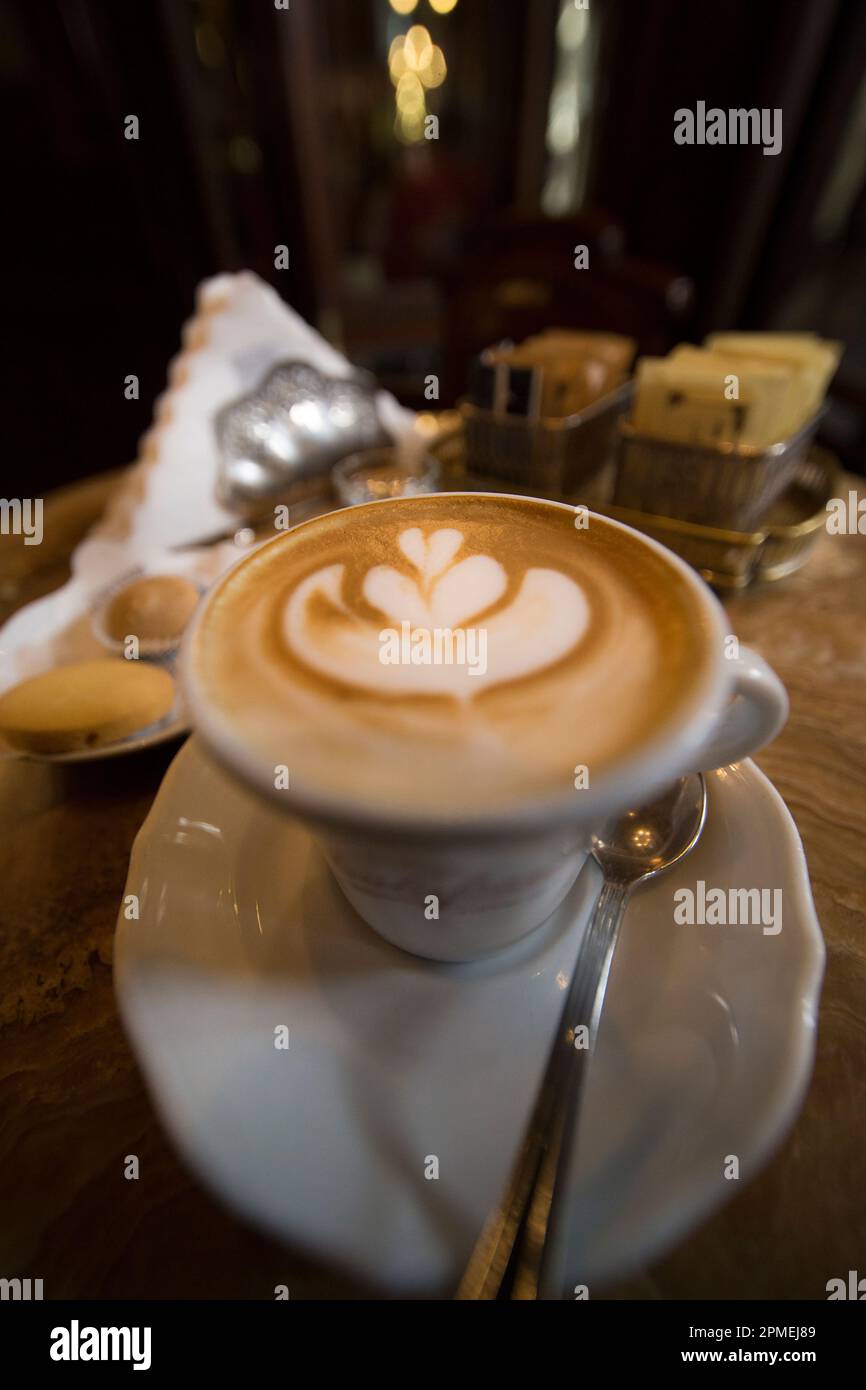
<point>646,841</point>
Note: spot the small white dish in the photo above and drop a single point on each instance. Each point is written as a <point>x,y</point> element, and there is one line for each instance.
<point>59,629</point>
<point>705,1047</point>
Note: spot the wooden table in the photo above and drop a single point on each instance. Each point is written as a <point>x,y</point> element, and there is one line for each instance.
<point>72,1103</point>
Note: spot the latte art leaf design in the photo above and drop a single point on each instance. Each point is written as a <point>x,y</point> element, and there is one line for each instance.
<point>545,620</point>
<point>444,594</point>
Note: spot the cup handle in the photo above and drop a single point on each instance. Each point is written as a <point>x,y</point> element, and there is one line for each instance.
<point>754,717</point>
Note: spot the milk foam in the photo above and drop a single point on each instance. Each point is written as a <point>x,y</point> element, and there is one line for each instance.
<point>541,625</point>
<point>592,642</point>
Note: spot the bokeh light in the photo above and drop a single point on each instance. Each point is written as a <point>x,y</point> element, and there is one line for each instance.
<point>410,93</point>
<point>432,68</point>
<point>409,127</point>
<point>415,63</point>
<point>397,64</point>
<point>443,6</point>
<point>417,43</point>
<point>403,6</point>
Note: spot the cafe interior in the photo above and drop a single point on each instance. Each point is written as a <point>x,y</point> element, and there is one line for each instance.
<point>597,252</point>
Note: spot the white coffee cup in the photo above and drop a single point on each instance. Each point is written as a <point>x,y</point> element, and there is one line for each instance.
<point>497,876</point>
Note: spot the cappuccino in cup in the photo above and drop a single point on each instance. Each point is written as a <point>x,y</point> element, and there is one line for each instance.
<point>453,689</point>
<point>448,655</point>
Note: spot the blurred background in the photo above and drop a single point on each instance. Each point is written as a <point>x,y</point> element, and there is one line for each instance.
<point>555,128</point>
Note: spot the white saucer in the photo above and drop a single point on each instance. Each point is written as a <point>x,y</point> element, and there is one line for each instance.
<point>705,1047</point>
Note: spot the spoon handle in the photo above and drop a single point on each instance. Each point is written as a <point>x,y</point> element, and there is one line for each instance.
<point>543,1253</point>
<point>490,1262</point>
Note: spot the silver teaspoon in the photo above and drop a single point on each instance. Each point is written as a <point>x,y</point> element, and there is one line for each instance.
<point>636,847</point>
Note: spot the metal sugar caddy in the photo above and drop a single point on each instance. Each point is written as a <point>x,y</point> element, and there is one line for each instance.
<point>508,443</point>
<point>279,442</point>
<point>726,487</point>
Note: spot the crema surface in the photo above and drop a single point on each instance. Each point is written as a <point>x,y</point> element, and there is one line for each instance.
<point>448,654</point>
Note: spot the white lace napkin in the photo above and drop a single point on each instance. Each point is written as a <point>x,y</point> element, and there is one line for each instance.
<point>241,328</point>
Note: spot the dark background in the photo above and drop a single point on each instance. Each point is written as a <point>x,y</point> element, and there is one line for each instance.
<point>260,127</point>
